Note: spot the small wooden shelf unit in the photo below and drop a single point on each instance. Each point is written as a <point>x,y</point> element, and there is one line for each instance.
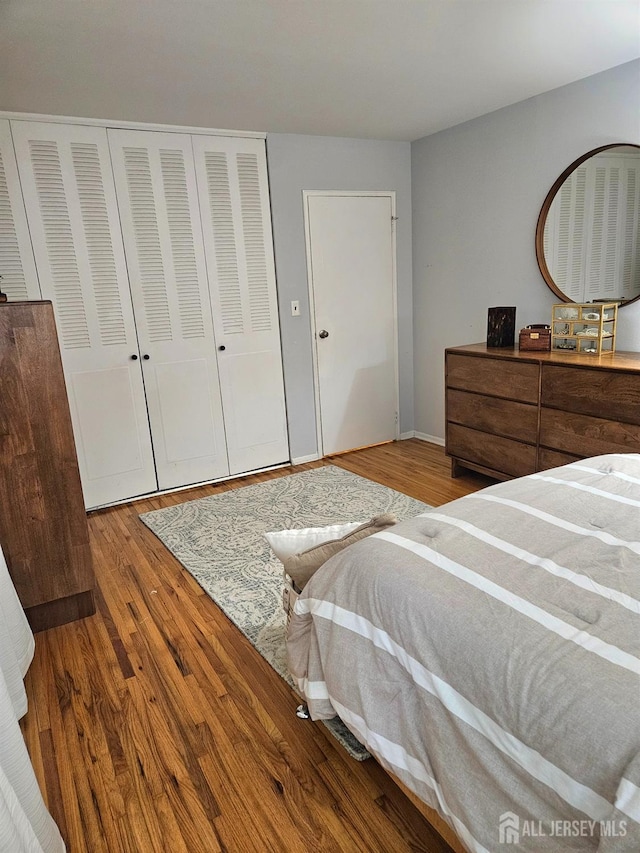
<point>584,328</point>
<point>511,413</point>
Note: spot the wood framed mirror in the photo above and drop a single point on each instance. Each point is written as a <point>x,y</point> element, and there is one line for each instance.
<point>588,231</point>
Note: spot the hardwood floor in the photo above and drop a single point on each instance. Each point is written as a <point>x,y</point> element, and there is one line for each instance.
<point>155,726</point>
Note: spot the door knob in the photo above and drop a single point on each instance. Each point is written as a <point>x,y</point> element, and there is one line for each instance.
<point>146,357</point>
<point>222,347</point>
<point>134,357</point>
<point>323,334</point>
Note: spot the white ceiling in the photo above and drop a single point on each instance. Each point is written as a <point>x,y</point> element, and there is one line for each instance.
<point>384,69</point>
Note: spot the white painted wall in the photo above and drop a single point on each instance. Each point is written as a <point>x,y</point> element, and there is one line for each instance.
<point>477,190</point>
<point>298,163</point>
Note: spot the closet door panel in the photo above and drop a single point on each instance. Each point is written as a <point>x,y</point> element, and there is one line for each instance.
<point>111,449</point>
<point>72,213</point>
<point>19,279</point>
<point>234,205</point>
<point>157,197</point>
<point>254,419</point>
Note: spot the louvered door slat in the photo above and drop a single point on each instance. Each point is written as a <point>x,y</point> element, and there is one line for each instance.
<point>150,265</point>
<point>17,268</point>
<point>565,236</point>
<point>229,316</point>
<point>631,232</point>
<point>68,296</point>
<point>71,207</point>
<point>603,253</point>
<point>188,285</point>
<point>260,316</point>
<point>234,204</point>
<point>100,251</point>
<point>157,194</point>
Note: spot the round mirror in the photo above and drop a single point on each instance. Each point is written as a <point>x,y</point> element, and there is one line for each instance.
<point>588,233</point>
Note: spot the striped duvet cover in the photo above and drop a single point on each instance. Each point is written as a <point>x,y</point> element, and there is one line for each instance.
<point>487,652</point>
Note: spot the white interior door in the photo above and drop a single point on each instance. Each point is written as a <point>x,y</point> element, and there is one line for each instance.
<point>351,259</point>
<point>158,200</point>
<point>71,208</point>
<point>236,220</point>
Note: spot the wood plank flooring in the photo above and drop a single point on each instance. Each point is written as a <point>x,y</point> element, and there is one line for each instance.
<point>155,725</point>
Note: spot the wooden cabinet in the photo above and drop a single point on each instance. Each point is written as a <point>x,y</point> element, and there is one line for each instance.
<point>43,525</point>
<point>511,413</point>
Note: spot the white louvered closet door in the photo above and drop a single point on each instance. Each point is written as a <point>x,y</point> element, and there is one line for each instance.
<point>234,204</point>
<point>158,201</point>
<point>19,279</point>
<point>71,209</point>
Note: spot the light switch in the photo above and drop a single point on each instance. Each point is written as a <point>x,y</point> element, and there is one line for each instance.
<point>295,308</point>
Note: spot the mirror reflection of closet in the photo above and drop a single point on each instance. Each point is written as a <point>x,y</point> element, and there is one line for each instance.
<point>588,233</point>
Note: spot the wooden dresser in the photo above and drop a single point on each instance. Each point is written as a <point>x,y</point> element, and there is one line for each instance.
<point>43,524</point>
<point>511,413</point>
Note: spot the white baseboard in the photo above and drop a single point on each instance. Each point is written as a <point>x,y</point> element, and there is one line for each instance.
<point>300,460</point>
<point>433,439</point>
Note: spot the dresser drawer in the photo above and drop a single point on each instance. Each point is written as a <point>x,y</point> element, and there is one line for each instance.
<point>498,377</point>
<point>610,394</point>
<point>494,415</point>
<point>491,451</point>
<point>554,459</point>
<point>583,435</point>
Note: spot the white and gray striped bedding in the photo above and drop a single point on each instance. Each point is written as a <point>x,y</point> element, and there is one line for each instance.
<point>488,653</point>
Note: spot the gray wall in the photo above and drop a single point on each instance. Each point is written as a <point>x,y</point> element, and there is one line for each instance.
<point>477,191</point>
<point>298,163</point>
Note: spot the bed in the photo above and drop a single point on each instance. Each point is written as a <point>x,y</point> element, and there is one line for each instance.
<point>487,653</point>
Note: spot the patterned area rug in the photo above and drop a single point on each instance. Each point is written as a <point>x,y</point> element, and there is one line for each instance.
<point>219,540</point>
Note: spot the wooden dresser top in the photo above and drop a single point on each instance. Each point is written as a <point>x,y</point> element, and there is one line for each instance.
<point>629,361</point>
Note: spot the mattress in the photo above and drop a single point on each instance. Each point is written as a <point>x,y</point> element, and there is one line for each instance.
<point>487,652</point>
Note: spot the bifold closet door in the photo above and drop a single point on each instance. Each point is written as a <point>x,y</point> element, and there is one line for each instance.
<point>236,219</point>
<point>18,277</point>
<point>158,203</point>
<point>66,177</point>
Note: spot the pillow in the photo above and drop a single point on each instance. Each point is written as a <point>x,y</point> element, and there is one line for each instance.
<point>300,567</point>
<point>284,543</point>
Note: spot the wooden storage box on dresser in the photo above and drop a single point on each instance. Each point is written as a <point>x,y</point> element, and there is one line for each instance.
<point>43,524</point>
<point>535,338</point>
<point>511,413</point>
